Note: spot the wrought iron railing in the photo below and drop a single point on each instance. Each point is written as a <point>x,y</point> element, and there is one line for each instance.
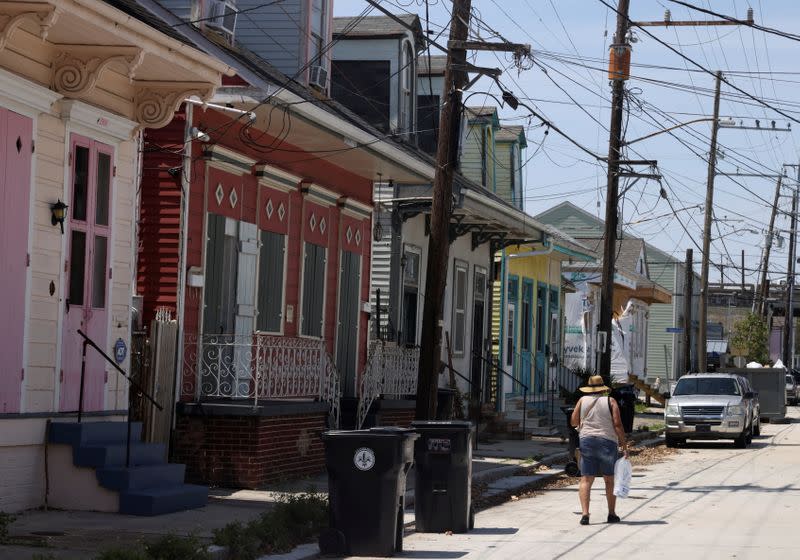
<point>391,370</point>
<point>260,367</point>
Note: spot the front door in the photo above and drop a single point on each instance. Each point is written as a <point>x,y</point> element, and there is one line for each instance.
<point>542,319</point>
<point>510,360</point>
<point>347,331</point>
<point>526,335</point>
<point>88,246</point>
<point>478,321</point>
<point>15,189</point>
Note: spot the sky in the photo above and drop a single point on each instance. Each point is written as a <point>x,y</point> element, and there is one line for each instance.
<point>568,84</point>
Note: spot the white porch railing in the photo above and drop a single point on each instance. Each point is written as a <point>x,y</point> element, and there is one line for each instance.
<point>391,370</point>
<point>260,367</point>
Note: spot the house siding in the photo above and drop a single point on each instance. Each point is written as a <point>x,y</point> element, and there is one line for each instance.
<point>381,266</point>
<point>503,171</point>
<point>470,163</point>
<point>276,33</point>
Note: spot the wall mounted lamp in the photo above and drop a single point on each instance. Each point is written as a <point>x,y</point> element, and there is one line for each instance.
<point>58,213</point>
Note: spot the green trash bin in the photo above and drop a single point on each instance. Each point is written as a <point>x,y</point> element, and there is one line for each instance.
<point>443,476</point>
<point>367,472</point>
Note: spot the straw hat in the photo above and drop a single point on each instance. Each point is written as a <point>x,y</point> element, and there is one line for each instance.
<point>595,385</point>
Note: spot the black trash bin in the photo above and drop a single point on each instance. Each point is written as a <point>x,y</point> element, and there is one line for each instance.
<point>572,468</point>
<point>625,395</point>
<point>443,476</point>
<point>366,487</point>
<point>445,403</point>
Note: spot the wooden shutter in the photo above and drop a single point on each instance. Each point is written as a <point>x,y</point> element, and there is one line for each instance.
<point>246,278</point>
<point>270,282</point>
<point>313,290</point>
<point>212,317</point>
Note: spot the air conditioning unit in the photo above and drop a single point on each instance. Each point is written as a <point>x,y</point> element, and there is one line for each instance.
<point>318,77</point>
<point>221,17</point>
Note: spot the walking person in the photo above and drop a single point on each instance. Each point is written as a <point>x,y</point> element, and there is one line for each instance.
<point>597,419</point>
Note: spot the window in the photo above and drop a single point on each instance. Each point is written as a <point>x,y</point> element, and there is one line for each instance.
<point>541,318</point>
<point>221,275</point>
<point>428,122</point>
<point>406,88</point>
<point>270,282</point>
<point>459,306</point>
<point>410,303</point>
<point>313,290</point>
<point>318,32</point>
<point>510,326</point>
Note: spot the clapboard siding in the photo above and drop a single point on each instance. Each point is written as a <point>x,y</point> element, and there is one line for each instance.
<point>503,171</point>
<point>471,154</point>
<point>274,32</point>
<point>381,264</point>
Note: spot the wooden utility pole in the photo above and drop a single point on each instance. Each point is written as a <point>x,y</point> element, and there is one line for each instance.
<point>455,77</point>
<point>688,290</point>
<point>742,271</point>
<point>709,213</point>
<point>759,306</point>
<point>788,328</point>
<point>620,51</point>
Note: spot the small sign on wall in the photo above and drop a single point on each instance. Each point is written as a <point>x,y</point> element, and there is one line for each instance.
<point>120,351</point>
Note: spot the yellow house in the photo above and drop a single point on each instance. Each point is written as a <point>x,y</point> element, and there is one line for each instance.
<point>529,302</point>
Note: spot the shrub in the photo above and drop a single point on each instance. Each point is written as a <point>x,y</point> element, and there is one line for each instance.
<point>6,519</point>
<point>172,547</point>
<point>123,553</point>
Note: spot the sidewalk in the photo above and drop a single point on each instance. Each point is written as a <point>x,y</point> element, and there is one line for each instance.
<point>499,470</point>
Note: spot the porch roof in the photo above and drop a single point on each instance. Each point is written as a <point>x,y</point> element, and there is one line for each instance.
<point>627,284</point>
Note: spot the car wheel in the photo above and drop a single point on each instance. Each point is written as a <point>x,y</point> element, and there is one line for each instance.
<point>749,437</point>
<point>671,441</point>
<point>757,428</point>
<point>741,441</point>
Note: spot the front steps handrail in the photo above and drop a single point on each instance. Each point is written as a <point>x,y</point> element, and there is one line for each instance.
<point>89,342</point>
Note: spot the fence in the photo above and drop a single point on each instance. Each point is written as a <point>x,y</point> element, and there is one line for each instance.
<point>391,371</point>
<point>259,367</point>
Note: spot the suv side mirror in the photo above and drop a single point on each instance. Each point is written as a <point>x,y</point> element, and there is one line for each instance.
<point>749,395</point>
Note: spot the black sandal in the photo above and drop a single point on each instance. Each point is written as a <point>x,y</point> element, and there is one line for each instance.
<point>613,518</point>
<point>584,519</point>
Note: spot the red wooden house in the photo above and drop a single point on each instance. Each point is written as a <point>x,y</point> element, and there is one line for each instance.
<point>255,231</point>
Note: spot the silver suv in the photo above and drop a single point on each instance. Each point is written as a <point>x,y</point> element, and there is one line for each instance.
<point>710,406</point>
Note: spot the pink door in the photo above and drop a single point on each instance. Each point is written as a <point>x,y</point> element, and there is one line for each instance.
<point>15,188</point>
<point>86,303</point>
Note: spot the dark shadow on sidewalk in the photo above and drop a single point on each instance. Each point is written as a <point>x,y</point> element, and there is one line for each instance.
<point>431,554</point>
<point>494,531</point>
<point>656,522</point>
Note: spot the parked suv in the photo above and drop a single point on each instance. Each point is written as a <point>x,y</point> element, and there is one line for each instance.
<point>792,391</point>
<point>710,406</point>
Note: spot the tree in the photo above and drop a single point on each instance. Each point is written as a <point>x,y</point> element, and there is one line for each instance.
<point>750,338</point>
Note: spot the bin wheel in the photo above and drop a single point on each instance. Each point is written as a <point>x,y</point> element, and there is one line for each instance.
<point>572,469</point>
<point>332,542</point>
<point>471,522</point>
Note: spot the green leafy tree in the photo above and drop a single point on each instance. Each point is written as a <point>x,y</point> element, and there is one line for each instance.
<point>750,339</point>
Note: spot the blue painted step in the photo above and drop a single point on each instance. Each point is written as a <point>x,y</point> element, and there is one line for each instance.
<point>90,433</point>
<point>114,454</point>
<point>150,486</point>
<point>157,501</point>
<point>122,479</point>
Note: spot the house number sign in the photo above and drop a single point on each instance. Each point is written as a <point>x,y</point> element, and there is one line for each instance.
<point>364,458</point>
<point>120,351</point>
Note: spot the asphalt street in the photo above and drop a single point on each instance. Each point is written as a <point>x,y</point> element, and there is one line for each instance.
<point>709,500</point>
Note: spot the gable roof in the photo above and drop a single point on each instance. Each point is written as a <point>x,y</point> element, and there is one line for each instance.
<point>377,27</point>
<point>511,133</point>
<point>628,251</point>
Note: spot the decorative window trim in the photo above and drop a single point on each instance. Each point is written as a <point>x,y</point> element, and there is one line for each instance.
<point>355,209</point>
<point>278,179</point>
<point>227,160</point>
<point>101,123</point>
<point>16,92</point>
<point>320,195</point>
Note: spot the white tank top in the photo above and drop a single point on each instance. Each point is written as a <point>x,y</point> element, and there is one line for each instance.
<point>597,422</point>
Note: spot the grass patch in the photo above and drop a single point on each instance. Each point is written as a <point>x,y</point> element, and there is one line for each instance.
<point>640,407</point>
<point>296,519</point>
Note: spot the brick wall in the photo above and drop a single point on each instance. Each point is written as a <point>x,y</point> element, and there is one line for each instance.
<point>249,451</point>
<point>400,417</point>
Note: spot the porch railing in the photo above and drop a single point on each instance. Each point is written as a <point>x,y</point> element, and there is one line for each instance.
<point>391,370</point>
<point>260,367</point>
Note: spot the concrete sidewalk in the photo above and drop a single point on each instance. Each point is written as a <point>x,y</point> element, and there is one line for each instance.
<point>500,469</point>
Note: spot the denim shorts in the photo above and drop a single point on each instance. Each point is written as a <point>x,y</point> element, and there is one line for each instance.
<point>598,456</point>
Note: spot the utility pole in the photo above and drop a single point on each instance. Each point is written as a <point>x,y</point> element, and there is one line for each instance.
<point>742,271</point>
<point>620,62</point>
<point>688,292</point>
<point>760,305</point>
<point>788,329</point>
<point>455,77</point>
<point>709,212</point>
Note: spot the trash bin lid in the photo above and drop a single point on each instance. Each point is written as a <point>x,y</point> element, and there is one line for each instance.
<point>449,424</point>
<point>391,430</point>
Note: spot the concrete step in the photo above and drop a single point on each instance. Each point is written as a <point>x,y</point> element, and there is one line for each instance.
<point>92,433</point>
<point>123,479</point>
<point>114,455</point>
<point>165,499</point>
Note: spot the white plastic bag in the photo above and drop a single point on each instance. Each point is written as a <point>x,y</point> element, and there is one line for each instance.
<point>622,477</point>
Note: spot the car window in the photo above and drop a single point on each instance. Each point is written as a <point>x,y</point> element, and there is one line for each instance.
<point>707,386</point>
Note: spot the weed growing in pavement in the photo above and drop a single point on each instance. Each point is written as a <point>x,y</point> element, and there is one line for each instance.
<point>124,554</point>
<point>295,519</point>
<point>6,519</point>
<point>168,547</point>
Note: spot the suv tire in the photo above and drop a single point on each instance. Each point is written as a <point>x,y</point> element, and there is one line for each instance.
<point>671,441</point>
<point>741,441</point>
<point>757,428</point>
